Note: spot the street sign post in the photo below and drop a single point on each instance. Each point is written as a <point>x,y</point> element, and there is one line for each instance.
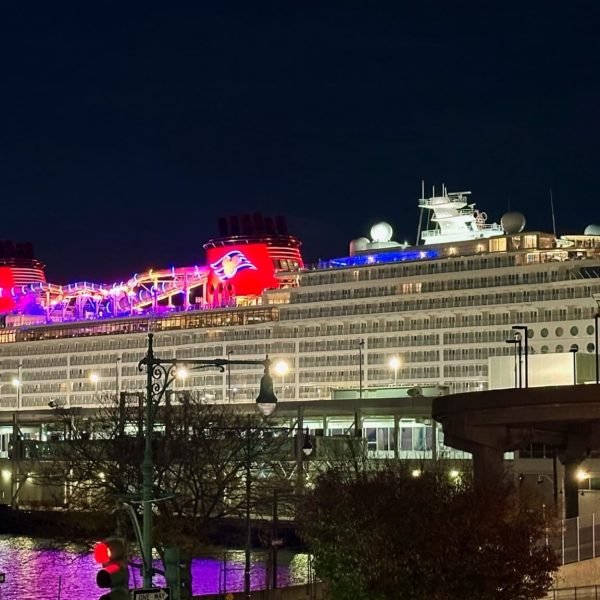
<point>151,594</point>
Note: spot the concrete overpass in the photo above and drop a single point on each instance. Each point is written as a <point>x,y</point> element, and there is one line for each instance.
<point>489,423</point>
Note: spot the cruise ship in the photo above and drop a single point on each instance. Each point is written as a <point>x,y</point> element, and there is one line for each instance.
<point>385,315</point>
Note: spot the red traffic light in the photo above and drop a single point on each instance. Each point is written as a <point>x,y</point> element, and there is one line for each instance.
<point>102,552</point>
<point>111,553</point>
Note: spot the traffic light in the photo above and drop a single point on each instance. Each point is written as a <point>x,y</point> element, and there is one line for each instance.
<point>178,573</point>
<point>111,553</point>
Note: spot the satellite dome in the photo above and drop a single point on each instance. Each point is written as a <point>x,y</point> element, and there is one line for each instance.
<point>512,222</point>
<point>592,230</point>
<point>382,232</point>
<point>358,245</point>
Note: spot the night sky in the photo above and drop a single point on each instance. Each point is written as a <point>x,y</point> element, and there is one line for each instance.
<point>129,127</point>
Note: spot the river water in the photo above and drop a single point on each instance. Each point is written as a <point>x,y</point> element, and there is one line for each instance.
<point>36,571</point>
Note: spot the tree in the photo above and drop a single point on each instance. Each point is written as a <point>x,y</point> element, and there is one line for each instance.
<point>201,453</point>
<point>384,533</point>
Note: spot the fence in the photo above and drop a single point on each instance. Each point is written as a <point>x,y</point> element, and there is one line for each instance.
<point>579,539</point>
<point>589,592</point>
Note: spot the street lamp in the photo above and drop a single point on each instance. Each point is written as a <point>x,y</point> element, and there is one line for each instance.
<point>16,382</point>
<point>229,353</point>
<point>160,374</point>
<point>307,446</point>
<point>282,369</point>
<point>597,336</point>
<point>181,373</point>
<point>517,343</point>
<point>574,349</point>
<point>361,346</point>
<point>525,331</point>
<point>94,378</point>
<point>394,363</point>
<point>118,362</point>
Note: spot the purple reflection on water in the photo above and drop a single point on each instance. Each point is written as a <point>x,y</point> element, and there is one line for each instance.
<point>34,572</point>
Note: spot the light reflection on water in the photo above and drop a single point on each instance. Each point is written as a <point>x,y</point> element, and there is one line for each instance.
<point>34,571</point>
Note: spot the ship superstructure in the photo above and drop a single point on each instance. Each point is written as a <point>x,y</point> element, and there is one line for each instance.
<point>456,219</point>
<point>440,310</point>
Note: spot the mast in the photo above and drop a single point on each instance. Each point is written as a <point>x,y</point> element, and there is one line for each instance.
<point>420,213</point>
<point>552,209</point>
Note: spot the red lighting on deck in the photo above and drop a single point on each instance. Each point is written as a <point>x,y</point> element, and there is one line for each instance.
<point>7,283</point>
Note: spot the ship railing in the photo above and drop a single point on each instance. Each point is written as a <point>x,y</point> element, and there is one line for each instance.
<point>482,227</point>
<point>461,212</point>
<point>458,198</point>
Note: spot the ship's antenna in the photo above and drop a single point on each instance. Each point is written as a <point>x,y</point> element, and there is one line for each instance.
<point>552,209</point>
<point>420,212</point>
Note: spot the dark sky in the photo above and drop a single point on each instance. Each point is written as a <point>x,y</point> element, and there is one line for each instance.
<point>128,128</point>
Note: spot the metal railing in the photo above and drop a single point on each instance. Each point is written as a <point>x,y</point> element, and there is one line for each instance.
<point>578,539</point>
<point>588,592</point>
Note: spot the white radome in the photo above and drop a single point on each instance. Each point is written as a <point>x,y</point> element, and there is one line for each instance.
<point>592,230</point>
<point>512,222</point>
<point>358,245</point>
<point>382,232</point>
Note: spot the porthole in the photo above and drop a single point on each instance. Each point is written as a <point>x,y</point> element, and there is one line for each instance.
<point>559,332</point>
<point>574,330</point>
<point>590,329</point>
<point>544,332</point>
<point>545,349</point>
<point>559,348</point>
<point>590,348</point>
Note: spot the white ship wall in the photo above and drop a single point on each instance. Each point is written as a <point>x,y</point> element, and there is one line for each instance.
<point>544,370</point>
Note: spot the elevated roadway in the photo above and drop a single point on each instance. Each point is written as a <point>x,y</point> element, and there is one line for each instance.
<point>489,423</point>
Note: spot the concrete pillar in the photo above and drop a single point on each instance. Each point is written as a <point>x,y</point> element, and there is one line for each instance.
<point>434,439</point>
<point>570,488</point>
<point>488,464</point>
<point>357,423</point>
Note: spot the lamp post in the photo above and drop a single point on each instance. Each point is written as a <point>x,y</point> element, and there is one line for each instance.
<point>229,353</point>
<point>596,336</point>
<point>516,341</point>
<point>525,331</point>
<point>95,378</point>
<point>282,368</point>
<point>160,374</point>
<point>118,362</point>
<point>17,383</point>
<point>361,345</point>
<point>573,350</point>
<point>394,363</point>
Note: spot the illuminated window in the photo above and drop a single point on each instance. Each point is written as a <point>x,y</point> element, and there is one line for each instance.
<point>498,244</point>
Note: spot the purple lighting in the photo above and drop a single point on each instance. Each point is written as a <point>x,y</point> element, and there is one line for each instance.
<point>35,573</point>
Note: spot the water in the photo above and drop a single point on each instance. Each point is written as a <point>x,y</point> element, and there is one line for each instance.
<point>34,571</point>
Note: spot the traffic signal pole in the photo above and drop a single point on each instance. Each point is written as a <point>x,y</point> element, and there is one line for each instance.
<point>147,468</point>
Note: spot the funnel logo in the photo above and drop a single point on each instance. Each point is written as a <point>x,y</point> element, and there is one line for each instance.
<point>230,264</point>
